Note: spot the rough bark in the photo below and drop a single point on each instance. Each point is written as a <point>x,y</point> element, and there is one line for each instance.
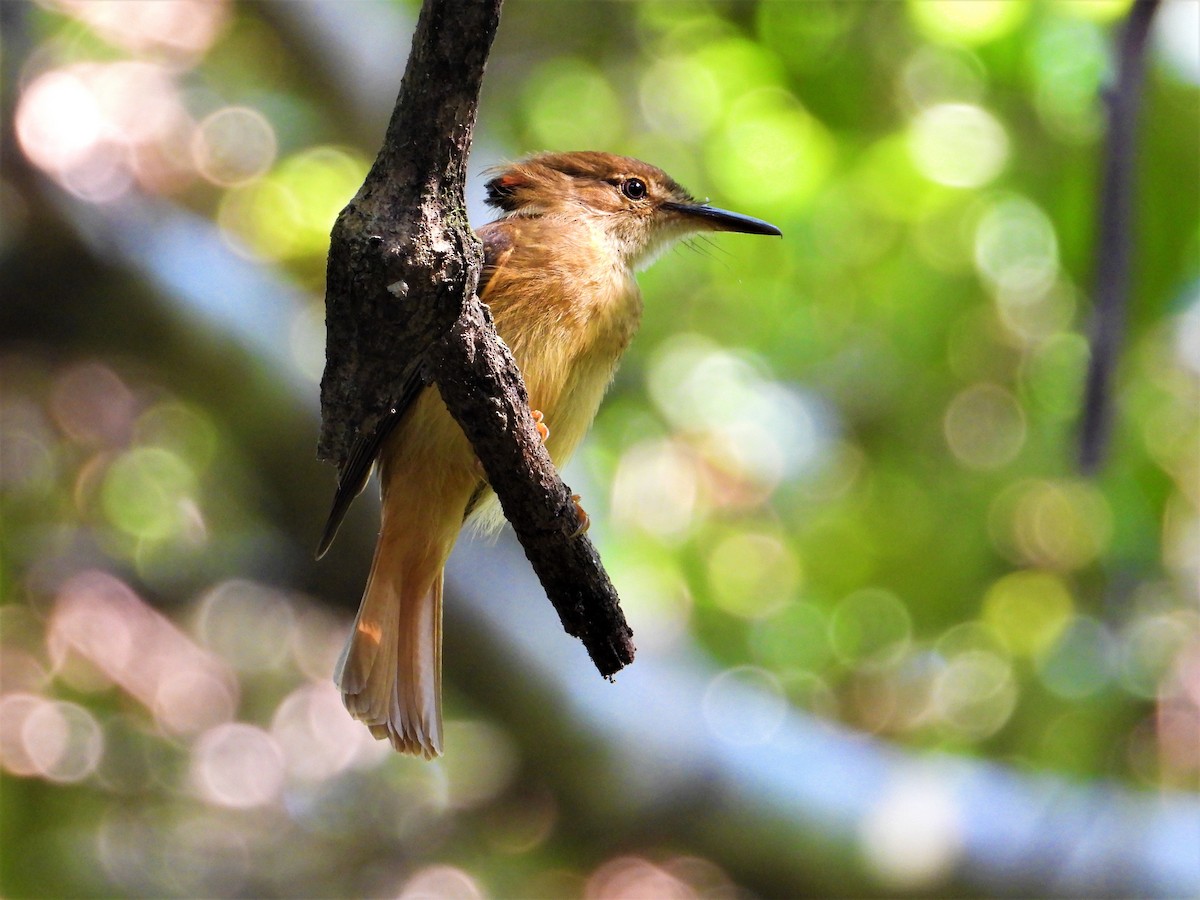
<point>402,258</point>
<point>400,299</point>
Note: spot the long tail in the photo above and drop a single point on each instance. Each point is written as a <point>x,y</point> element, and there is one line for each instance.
<point>390,673</point>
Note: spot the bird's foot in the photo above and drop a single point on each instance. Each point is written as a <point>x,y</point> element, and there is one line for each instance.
<point>585,521</point>
<point>543,429</point>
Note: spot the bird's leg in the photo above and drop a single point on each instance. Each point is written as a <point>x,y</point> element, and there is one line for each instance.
<point>585,521</point>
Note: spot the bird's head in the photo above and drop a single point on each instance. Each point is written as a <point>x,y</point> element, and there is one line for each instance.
<point>640,208</point>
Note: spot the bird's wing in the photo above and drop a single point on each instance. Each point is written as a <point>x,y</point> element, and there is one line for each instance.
<point>356,470</point>
<point>498,242</point>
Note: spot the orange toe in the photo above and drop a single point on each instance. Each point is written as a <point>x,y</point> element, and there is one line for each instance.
<point>542,428</point>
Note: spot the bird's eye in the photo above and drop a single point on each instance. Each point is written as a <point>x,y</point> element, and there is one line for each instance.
<point>634,188</point>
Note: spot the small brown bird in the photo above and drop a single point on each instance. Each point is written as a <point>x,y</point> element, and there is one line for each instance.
<point>558,277</point>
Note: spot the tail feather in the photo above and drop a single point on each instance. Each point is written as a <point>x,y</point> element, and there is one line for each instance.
<point>390,673</point>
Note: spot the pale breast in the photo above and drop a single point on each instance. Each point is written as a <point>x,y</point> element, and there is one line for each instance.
<point>603,323</point>
<point>568,309</point>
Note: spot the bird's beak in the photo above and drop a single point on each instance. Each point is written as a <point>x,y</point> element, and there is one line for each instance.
<point>722,219</point>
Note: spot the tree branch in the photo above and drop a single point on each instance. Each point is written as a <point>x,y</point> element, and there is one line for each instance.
<point>400,303</point>
<point>1115,231</point>
<point>482,387</point>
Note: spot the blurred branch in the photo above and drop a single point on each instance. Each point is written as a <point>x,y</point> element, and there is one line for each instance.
<point>1115,234</point>
<point>400,304</point>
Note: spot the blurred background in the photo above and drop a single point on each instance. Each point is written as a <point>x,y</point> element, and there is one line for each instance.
<point>891,640</point>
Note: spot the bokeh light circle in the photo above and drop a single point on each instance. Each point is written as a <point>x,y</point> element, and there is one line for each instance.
<point>1028,610</point>
<point>745,705</point>
<point>233,146</point>
<point>968,22</point>
<point>750,575</point>
<point>769,153</point>
<point>958,144</point>
<point>441,882</point>
<point>984,426</point>
<point>913,835</point>
<point>238,765</point>
<point>1016,248</point>
<point>975,694</point>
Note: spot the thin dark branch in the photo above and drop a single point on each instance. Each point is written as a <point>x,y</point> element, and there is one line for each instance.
<point>482,387</point>
<point>400,299</point>
<point>1114,234</point>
